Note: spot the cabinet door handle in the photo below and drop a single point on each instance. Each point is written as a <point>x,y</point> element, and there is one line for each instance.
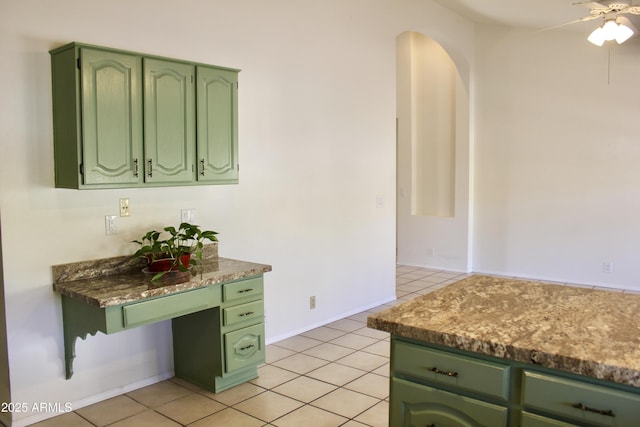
<point>202,167</point>
<point>608,413</point>
<point>247,347</point>
<point>244,291</point>
<point>150,164</point>
<point>248,313</point>
<point>135,170</point>
<point>447,373</point>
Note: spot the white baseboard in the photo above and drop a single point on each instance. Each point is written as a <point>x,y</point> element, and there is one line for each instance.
<point>23,422</point>
<point>289,334</point>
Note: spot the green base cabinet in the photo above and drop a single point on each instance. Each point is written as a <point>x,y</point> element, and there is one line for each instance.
<point>219,348</point>
<point>433,385</point>
<point>124,119</point>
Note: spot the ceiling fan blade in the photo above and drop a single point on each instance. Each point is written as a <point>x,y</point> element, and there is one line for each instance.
<point>590,5</point>
<point>583,19</point>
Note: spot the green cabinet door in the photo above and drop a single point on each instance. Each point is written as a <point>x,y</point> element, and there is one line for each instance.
<point>416,405</point>
<point>111,117</point>
<point>169,121</point>
<point>217,98</point>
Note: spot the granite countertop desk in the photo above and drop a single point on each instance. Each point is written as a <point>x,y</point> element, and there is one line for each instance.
<point>594,333</point>
<point>113,294</point>
<point>120,280</point>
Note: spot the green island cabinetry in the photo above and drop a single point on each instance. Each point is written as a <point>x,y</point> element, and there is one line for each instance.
<point>217,320</point>
<point>437,386</point>
<point>505,352</point>
<point>125,119</point>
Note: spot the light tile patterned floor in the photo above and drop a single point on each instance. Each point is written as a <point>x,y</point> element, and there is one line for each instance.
<point>335,375</point>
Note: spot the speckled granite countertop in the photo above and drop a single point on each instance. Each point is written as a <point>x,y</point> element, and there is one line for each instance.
<point>594,333</point>
<point>119,280</point>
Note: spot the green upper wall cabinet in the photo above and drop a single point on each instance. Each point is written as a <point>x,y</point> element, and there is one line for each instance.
<point>217,125</point>
<point>124,119</point>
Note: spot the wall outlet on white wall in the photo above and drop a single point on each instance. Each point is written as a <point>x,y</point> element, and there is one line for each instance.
<point>607,266</point>
<point>312,302</point>
<point>110,225</point>
<point>188,215</point>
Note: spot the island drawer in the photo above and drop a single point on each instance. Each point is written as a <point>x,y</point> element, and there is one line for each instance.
<point>243,312</point>
<point>451,369</point>
<point>533,420</point>
<point>581,401</point>
<point>170,306</point>
<point>242,289</point>
<point>419,405</point>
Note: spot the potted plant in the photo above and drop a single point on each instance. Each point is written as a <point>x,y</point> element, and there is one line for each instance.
<point>173,249</point>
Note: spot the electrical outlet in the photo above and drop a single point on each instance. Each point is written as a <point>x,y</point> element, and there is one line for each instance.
<point>607,266</point>
<point>312,302</point>
<point>110,225</point>
<point>188,215</point>
<point>124,207</point>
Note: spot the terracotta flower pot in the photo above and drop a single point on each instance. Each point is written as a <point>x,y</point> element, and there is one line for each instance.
<point>167,264</point>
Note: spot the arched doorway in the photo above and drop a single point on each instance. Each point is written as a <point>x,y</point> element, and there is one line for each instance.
<point>433,168</point>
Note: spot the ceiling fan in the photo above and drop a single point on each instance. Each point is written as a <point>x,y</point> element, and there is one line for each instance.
<point>615,26</point>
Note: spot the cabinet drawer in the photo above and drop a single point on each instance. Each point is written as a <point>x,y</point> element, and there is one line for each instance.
<point>242,289</point>
<point>532,420</point>
<point>580,401</point>
<point>450,369</point>
<point>244,347</point>
<point>170,306</point>
<point>419,405</point>
<point>243,312</point>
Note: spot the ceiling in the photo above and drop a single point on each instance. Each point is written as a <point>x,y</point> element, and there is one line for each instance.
<point>533,14</point>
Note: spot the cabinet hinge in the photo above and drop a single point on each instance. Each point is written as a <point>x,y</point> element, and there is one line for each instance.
<point>78,62</point>
<point>81,168</point>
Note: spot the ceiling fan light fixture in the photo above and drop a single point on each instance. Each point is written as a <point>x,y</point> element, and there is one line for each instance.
<point>609,30</point>
<point>619,29</point>
<point>597,37</point>
<point>623,34</point>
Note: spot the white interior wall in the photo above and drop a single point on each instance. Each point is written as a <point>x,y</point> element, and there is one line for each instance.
<point>557,149</point>
<point>317,154</point>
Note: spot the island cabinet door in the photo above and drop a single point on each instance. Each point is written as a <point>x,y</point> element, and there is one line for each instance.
<point>414,405</point>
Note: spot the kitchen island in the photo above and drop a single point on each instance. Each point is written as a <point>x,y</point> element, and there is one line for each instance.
<point>217,315</point>
<point>506,352</point>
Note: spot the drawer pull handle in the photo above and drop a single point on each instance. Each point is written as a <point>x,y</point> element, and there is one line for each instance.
<point>582,407</point>
<point>243,291</point>
<point>248,313</point>
<point>150,164</point>
<point>202,167</point>
<point>447,373</point>
<point>247,347</point>
<point>135,163</point>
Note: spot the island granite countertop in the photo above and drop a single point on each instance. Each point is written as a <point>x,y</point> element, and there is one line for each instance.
<point>595,333</point>
<point>120,280</point>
